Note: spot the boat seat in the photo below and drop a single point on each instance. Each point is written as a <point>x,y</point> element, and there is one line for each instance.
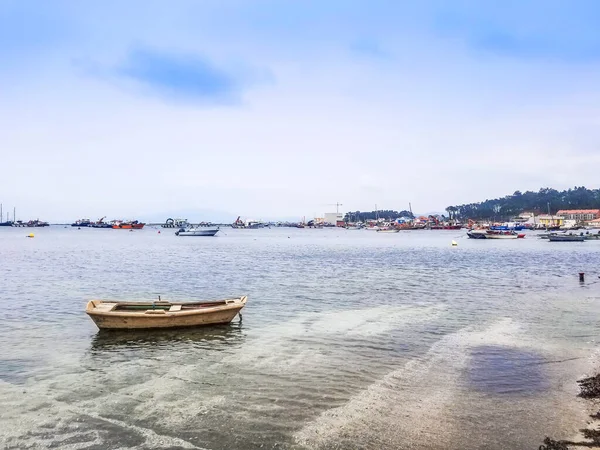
<point>106,306</point>
<point>175,308</point>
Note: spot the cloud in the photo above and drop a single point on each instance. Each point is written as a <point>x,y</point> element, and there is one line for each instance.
<point>369,47</point>
<point>182,76</point>
<point>553,30</point>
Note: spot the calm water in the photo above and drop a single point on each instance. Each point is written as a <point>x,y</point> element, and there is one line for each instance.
<point>350,339</point>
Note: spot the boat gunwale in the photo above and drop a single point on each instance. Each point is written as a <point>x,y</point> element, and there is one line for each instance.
<point>221,305</point>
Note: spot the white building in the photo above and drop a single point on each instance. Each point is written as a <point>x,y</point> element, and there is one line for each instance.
<point>333,218</point>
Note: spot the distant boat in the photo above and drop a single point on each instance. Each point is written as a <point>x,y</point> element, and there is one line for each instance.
<point>197,231</point>
<point>494,234</point>
<point>175,223</point>
<point>32,223</point>
<point>120,225</point>
<point>566,238</point>
<point>162,314</point>
<point>446,227</point>
<point>82,223</point>
<point>388,230</point>
<point>502,236</point>
<point>477,234</point>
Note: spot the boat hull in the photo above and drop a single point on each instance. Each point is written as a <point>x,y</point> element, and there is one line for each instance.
<point>566,238</point>
<point>149,318</point>
<point>198,232</point>
<point>475,235</point>
<point>501,236</point>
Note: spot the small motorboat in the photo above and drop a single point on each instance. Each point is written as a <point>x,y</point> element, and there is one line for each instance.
<point>388,230</point>
<point>497,234</point>
<point>477,234</point>
<point>115,315</point>
<point>197,231</point>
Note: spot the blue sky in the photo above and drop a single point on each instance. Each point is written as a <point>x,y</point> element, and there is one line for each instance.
<point>279,108</point>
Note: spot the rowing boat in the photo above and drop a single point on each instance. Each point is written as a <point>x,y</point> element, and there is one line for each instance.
<point>162,314</point>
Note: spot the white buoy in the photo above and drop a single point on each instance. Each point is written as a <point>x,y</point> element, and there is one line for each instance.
<point>454,244</point>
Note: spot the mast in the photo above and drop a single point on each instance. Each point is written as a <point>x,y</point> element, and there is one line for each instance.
<point>1,214</point>
<point>14,214</point>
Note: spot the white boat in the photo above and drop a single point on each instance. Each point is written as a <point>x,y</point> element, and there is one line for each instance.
<point>197,231</point>
<point>388,230</point>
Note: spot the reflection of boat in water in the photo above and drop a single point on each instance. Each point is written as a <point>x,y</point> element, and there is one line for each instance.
<point>210,336</point>
<point>162,314</point>
<point>198,231</point>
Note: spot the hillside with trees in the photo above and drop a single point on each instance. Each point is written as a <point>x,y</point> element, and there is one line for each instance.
<point>539,202</point>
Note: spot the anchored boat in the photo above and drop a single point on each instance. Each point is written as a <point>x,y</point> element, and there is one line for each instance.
<point>566,238</point>
<point>197,231</point>
<point>162,314</point>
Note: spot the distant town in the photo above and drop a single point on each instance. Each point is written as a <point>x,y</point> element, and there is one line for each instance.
<point>545,209</point>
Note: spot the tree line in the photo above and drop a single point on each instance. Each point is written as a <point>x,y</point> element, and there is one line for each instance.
<point>541,202</point>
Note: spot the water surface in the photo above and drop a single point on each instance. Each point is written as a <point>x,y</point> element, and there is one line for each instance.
<point>350,339</point>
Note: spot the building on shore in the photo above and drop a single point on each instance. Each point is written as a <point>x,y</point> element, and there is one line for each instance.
<point>547,220</point>
<point>579,215</point>
<point>336,219</point>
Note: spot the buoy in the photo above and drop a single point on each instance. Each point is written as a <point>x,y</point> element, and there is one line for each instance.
<point>30,235</point>
<point>454,243</point>
<point>581,277</point>
<point>158,231</point>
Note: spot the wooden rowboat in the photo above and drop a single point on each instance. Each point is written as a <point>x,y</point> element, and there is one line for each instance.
<point>162,314</point>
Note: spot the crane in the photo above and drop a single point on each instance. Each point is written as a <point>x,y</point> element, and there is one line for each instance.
<point>337,206</point>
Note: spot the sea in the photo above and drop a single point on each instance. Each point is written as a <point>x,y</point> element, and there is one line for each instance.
<point>349,340</point>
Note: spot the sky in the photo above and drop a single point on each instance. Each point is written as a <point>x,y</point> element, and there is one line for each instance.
<point>282,108</point>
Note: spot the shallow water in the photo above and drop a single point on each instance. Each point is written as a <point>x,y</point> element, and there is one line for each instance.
<point>350,339</point>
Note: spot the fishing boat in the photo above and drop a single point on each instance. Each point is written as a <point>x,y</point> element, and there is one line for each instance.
<point>477,234</point>
<point>566,238</point>
<point>100,223</point>
<point>115,315</point>
<point>134,225</point>
<point>197,231</point>
<point>82,223</point>
<point>388,230</point>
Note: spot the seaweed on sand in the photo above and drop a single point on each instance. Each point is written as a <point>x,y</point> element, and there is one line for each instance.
<point>551,444</point>
<point>590,387</point>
